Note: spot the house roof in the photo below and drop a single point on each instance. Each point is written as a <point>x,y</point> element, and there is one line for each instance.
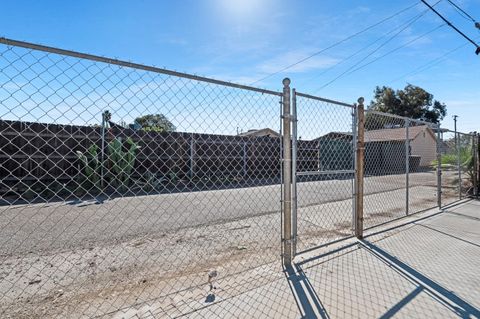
<point>396,134</point>
<point>335,135</point>
<point>260,132</point>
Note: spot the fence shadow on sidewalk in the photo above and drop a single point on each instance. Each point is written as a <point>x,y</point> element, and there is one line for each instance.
<point>448,298</point>
<point>308,302</point>
<point>378,281</point>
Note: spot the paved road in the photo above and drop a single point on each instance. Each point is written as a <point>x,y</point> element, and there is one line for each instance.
<point>43,227</point>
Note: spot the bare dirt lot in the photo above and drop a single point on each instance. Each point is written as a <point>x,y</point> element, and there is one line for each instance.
<point>80,259</point>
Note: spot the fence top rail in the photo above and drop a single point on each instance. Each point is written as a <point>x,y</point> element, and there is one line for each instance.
<point>308,96</point>
<point>86,56</point>
<point>403,118</point>
<point>452,131</point>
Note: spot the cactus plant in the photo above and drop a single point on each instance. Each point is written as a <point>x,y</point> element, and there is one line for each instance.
<point>91,164</point>
<point>122,163</point>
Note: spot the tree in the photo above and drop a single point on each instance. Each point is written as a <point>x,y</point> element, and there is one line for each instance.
<point>155,123</point>
<point>412,101</point>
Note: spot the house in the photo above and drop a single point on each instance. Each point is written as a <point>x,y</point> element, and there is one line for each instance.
<point>423,142</point>
<point>385,150</point>
<point>260,132</point>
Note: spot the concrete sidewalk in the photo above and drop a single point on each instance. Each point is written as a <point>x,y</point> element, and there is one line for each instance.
<point>422,266</point>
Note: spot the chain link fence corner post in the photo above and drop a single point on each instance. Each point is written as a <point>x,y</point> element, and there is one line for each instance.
<point>407,165</point>
<point>359,168</point>
<point>287,175</point>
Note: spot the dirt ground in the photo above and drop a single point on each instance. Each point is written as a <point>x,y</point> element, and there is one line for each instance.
<point>65,261</point>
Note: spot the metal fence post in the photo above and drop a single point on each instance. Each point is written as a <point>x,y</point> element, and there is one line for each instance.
<point>475,159</point>
<point>439,168</point>
<point>294,173</point>
<point>354,151</point>
<point>244,162</point>
<point>102,151</point>
<point>407,165</point>
<point>192,156</point>
<point>359,169</point>
<point>287,176</point>
<point>478,162</point>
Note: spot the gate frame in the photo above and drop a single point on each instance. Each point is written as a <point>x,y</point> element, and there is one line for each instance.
<point>292,117</point>
<point>287,175</point>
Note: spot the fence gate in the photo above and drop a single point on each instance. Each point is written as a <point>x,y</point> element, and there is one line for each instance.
<point>323,139</point>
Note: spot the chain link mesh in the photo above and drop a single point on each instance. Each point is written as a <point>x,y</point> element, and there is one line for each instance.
<point>457,162</point>
<point>422,168</point>
<point>129,191</point>
<point>385,167</point>
<point>466,147</point>
<point>124,188</point>
<point>324,171</point>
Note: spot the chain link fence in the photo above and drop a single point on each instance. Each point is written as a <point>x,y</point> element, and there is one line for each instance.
<point>385,168</point>
<point>124,185</point>
<point>324,168</point>
<point>458,162</point>
<point>466,156</point>
<point>450,171</point>
<point>129,190</point>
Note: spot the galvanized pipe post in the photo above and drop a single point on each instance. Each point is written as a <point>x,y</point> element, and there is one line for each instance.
<point>475,159</point>
<point>439,168</point>
<point>407,165</point>
<point>102,152</point>
<point>359,169</point>
<point>245,160</point>
<point>478,163</point>
<point>354,164</point>
<point>192,157</point>
<point>294,173</point>
<point>287,176</point>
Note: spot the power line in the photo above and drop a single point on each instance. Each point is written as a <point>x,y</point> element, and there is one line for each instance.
<point>407,24</point>
<point>336,43</point>
<point>477,51</point>
<point>461,11</point>
<point>381,57</point>
<point>404,27</point>
<point>430,64</point>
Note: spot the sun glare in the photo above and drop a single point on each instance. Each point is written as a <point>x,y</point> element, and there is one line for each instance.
<point>241,10</point>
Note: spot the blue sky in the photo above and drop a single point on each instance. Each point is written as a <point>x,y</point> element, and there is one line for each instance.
<point>245,40</point>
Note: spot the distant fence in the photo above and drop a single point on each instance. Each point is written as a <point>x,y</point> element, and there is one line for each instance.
<point>36,155</point>
<point>40,158</point>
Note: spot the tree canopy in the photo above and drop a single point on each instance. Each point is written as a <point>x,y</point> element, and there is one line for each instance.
<point>155,123</point>
<point>412,101</point>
